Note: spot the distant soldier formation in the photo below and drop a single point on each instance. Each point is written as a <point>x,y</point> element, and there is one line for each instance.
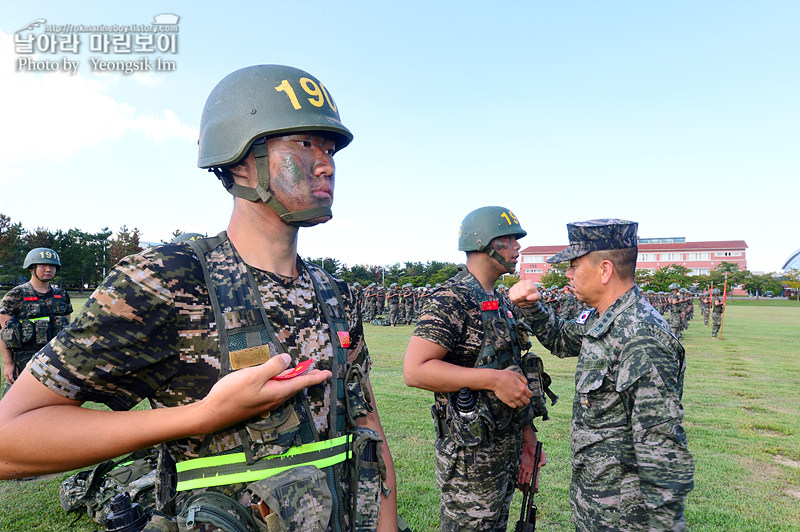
<point>563,302</point>
<point>395,305</point>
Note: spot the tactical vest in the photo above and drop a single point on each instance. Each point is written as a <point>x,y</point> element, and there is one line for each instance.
<point>38,321</point>
<point>270,449</point>
<point>504,341</point>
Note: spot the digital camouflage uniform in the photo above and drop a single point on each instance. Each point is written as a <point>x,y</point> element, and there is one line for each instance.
<point>716,314</point>
<point>704,303</point>
<point>477,482</point>
<point>37,318</point>
<point>631,465</point>
<point>675,308</point>
<point>148,332</point>
<point>392,304</point>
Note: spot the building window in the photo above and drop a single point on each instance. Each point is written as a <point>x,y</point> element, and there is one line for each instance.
<point>698,256</point>
<point>647,257</point>
<point>699,271</point>
<point>728,254</point>
<point>672,256</point>
<point>532,258</point>
<point>533,270</point>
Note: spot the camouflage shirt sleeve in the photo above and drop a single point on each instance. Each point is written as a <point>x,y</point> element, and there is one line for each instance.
<point>11,302</point>
<point>123,345</point>
<point>562,338</point>
<point>451,319</point>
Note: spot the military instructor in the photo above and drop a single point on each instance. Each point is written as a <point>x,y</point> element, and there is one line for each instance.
<point>631,467</point>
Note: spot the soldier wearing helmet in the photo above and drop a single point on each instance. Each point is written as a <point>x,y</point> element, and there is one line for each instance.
<point>676,309</point>
<point>392,304</point>
<point>32,313</point>
<point>717,310</point>
<point>469,349</point>
<point>204,328</point>
<point>631,467</point>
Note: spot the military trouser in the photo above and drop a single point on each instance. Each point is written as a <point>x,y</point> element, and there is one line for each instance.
<point>477,483</point>
<point>716,323</point>
<point>675,322</point>
<point>393,314</point>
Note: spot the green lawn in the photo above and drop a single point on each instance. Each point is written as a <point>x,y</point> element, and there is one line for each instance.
<point>742,402</point>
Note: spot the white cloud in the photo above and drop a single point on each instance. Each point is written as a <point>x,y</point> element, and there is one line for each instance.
<point>55,115</point>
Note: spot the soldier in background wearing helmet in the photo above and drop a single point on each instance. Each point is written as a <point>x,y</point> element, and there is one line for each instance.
<point>717,308</point>
<point>468,349</point>
<point>32,313</point>
<point>392,304</point>
<point>676,309</point>
<point>705,302</point>
<point>204,328</point>
<point>631,466</point>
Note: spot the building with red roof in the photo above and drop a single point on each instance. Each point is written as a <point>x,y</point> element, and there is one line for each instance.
<point>654,253</point>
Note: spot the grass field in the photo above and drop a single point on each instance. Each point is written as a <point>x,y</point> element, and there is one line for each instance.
<point>742,403</point>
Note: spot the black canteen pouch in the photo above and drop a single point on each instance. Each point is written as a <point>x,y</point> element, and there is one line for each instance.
<point>210,508</point>
<point>367,479</point>
<point>12,334</point>
<point>357,399</point>
<point>299,499</point>
<point>533,369</point>
<point>470,430</point>
<point>41,329</point>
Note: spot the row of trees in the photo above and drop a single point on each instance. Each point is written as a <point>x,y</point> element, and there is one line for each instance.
<point>85,257</point>
<point>659,280</point>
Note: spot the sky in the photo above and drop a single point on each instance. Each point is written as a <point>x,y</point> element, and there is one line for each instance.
<point>683,116</point>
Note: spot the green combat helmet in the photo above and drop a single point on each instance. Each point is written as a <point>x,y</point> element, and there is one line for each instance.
<point>715,291</point>
<point>259,101</point>
<point>483,225</point>
<point>186,237</point>
<point>41,256</point>
<point>674,286</point>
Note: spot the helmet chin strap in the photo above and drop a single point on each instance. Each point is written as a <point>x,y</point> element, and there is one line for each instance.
<point>261,193</point>
<point>510,268</point>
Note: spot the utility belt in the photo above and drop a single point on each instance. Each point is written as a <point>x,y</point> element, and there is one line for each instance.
<point>32,332</point>
<point>481,419</point>
<point>286,492</point>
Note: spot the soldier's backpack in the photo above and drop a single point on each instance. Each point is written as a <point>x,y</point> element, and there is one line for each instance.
<point>94,488</point>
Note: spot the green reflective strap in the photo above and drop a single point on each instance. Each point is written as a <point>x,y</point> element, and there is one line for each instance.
<point>40,319</point>
<point>232,468</point>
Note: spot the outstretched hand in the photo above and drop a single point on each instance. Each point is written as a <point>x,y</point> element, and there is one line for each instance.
<point>247,392</point>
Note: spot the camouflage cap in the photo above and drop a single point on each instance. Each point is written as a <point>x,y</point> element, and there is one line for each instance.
<point>597,235</point>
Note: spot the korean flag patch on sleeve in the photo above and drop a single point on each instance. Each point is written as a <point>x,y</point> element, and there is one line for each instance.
<point>581,319</point>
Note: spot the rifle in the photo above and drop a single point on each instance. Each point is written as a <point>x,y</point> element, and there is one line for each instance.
<point>527,515</point>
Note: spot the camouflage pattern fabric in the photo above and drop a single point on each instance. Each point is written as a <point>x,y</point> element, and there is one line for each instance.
<point>716,315</point>
<point>597,235</point>
<point>477,483</point>
<point>631,467</point>
<point>148,332</point>
<point>392,305</point>
<point>675,305</point>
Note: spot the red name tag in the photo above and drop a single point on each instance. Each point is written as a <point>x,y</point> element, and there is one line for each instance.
<point>490,305</point>
<point>31,298</point>
<point>57,296</point>
<point>344,338</point>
